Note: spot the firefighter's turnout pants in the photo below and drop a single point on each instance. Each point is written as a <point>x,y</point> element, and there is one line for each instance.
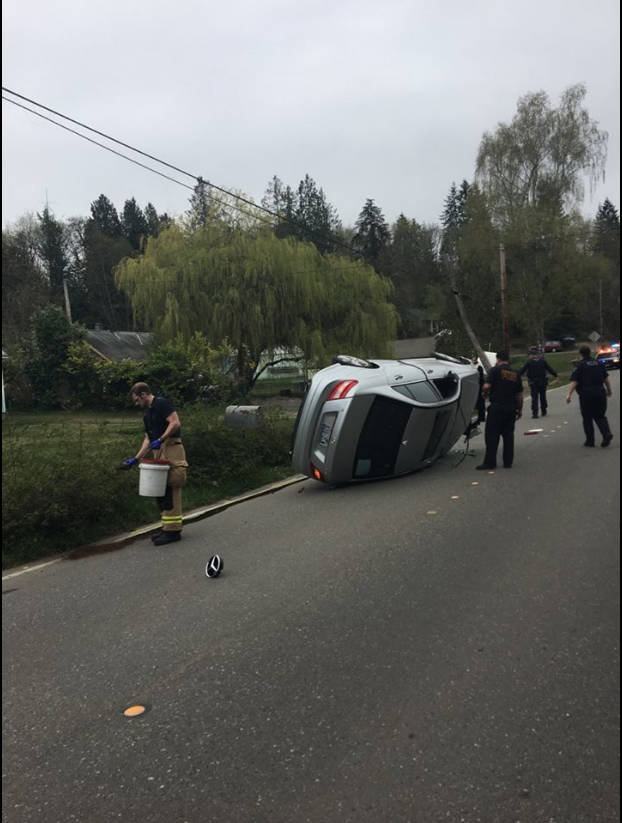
<point>170,505</point>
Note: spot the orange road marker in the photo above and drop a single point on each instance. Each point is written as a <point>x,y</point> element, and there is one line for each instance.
<point>135,711</point>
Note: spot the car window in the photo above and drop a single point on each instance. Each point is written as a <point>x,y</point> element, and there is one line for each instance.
<point>422,392</point>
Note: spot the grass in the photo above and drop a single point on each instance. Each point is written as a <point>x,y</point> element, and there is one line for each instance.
<point>61,487</point>
<point>561,362</point>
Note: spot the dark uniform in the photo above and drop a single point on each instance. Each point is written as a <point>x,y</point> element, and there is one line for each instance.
<point>536,375</point>
<point>505,388</point>
<point>173,451</point>
<point>590,378</point>
<point>481,403</point>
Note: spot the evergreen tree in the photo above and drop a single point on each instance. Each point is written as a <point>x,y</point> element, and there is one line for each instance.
<point>410,262</point>
<point>316,219</point>
<point>106,304</point>
<point>105,217</point>
<point>200,203</point>
<point>606,245</point>
<point>372,233</point>
<point>305,214</point>
<point>152,220</point>
<point>450,218</point>
<point>133,224</point>
<point>607,232</point>
<point>461,199</point>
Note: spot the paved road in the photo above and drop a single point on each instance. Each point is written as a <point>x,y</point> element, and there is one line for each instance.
<point>360,659</point>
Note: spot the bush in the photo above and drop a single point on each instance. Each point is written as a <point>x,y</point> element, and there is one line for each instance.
<point>61,488</point>
<point>57,498</point>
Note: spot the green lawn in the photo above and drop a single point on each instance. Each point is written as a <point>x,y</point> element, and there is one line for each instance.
<point>61,487</point>
<point>561,361</point>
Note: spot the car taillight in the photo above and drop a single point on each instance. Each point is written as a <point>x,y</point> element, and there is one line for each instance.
<point>316,473</point>
<point>342,389</point>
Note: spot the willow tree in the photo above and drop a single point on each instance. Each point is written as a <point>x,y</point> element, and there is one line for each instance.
<point>258,293</point>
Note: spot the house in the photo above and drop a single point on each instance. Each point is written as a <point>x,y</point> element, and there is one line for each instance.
<point>118,345</point>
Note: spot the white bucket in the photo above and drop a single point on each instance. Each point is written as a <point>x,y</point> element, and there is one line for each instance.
<point>153,476</point>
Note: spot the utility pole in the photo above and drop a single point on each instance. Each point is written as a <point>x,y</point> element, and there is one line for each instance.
<point>504,299</point>
<point>600,306</point>
<point>67,303</point>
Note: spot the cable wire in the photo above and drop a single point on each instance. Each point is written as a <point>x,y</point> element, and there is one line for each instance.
<point>136,162</point>
<point>95,142</point>
<point>280,217</point>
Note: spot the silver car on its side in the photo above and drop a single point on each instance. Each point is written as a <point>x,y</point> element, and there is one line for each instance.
<point>363,419</point>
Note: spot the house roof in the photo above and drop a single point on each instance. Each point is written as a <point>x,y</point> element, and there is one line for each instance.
<point>117,345</point>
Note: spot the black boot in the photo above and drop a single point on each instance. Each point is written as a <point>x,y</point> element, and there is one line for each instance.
<point>607,440</point>
<point>166,537</point>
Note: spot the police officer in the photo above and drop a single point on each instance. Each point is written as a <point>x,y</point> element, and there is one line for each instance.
<point>591,381</point>
<point>504,387</point>
<point>536,368</point>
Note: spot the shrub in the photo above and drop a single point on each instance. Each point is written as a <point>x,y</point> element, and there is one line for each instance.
<point>61,488</point>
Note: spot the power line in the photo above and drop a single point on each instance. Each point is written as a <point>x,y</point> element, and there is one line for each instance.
<point>131,159</point>
<point>282,218</point>
<point>95,142</point>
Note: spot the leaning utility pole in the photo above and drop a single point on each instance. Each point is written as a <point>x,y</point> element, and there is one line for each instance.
<point>504,299</point>
<point>67,303</point>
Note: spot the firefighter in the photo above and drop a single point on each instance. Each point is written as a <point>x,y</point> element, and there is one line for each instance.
<point>536,368</point>
<point>504,387</point>
<point>591,381</point>
<point>163,438</point>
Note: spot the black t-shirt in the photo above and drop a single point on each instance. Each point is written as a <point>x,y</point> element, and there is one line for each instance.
<point>155,418</point>
<point>589,375</point>
<point>505,386</point>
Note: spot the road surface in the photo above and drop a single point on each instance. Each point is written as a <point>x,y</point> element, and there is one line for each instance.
<point>422,649</point>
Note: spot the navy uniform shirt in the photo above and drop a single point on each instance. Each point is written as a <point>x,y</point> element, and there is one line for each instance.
<point>589,376</point>
<point>536,370</point>
<point>505,386</point>
<point>155,418</point>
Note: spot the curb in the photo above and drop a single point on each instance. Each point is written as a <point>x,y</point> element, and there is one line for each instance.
<point>109,544</point>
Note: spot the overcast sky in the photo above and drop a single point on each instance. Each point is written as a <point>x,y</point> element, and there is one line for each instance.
<point>383,100</point>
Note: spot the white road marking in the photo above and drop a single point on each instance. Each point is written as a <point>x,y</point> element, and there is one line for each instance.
<point>31,568</point>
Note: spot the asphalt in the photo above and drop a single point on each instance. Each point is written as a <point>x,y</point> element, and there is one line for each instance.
<point>440,647</point>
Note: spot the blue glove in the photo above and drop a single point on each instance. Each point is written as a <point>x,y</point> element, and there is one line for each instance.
<point>155,444</point>
<point>127,464</point>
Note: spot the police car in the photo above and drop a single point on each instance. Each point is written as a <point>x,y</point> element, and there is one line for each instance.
<point>364,419</point>
<point>609,356</point>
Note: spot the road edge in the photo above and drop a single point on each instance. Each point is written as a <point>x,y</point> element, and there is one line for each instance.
<point>108,544</point>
